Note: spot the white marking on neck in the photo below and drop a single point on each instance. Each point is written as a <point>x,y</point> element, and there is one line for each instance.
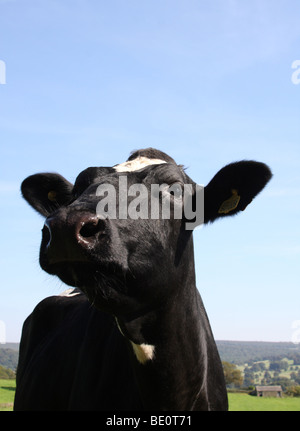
<point>143,352</point>
<point>118,325</point>
<point>136,164</point>
<point>70,292</point>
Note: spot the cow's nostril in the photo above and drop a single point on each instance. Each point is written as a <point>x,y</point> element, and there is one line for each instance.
<point>88,229</point>
<point>46,234</point>
<point>91,228</point>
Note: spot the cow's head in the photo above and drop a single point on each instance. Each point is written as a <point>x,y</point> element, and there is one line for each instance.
<point>108,234</point>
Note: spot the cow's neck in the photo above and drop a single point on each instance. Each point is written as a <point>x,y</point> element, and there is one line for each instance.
<point>169,347</point>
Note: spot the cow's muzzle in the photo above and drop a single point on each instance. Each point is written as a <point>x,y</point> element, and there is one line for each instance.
<point>71,237</point>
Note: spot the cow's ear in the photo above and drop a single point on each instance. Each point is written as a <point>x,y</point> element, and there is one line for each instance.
<point>233,188</point>
<point>46,192</point>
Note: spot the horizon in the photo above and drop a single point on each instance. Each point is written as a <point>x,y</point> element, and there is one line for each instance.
<point>216,340</point>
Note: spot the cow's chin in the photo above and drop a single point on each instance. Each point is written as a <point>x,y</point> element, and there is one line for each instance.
<point>71,273</point>
<point>103,284</point>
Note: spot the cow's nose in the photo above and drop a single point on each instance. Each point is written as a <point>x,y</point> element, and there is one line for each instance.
<point>63,234</point>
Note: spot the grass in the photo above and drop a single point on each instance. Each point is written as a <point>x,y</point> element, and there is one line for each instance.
<point>237,401</point>
<point>245,402</point>
<point>7,394</point>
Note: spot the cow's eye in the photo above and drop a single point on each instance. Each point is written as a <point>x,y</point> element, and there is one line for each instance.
<point>175,190</point>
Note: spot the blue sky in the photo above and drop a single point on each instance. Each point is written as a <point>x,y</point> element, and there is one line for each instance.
<point>207,82</point>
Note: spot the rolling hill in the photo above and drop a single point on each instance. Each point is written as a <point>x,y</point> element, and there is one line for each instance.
<point>238,352</point>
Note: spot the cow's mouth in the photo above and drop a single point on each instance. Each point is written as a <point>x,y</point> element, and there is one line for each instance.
<point>91,278</point>
<point>73,273</point>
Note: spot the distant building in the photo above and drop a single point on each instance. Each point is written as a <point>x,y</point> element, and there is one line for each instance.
<point>269,391</point>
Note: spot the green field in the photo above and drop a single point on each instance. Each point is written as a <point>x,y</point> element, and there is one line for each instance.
<point>7,393</point>
<point>237,402</point>
<point>248,403</point>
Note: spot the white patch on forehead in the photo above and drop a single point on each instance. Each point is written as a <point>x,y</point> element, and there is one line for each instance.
<point>70,292</point>
<point>143,352</point>
<point>136,164</point>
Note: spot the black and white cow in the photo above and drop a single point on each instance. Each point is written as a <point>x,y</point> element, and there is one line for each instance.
<point>133,334</point>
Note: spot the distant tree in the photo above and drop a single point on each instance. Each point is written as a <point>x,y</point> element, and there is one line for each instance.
<point>8,358</point>
<point>275,366</point>
<point>6,373</point>
<point>293,391</point>
<point>248,382</point>
<point>249,378</point>
<point>296,377</point>
<point>262,366</point>
<point>267,378</point>
<point>255,367</point>
<point>284,382</point>
<point>284,365</point>
<point>258,366</point>
<point>233,375</point>
<point>296,358</point>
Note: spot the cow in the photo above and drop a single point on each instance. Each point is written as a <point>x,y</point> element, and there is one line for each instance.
<point>131,333</point>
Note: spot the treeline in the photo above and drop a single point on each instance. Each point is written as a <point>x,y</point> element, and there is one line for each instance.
<point>9,358</point>
<point>6,373</point>
<point>274,374</point>
<point>241,352</point>
<point>237,352</point>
